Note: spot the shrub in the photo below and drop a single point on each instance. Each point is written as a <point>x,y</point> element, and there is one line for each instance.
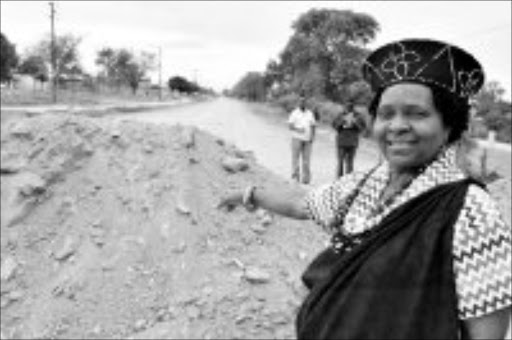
<point>501,124</point>
<point>505,131</point>
<point>288,101</point>
<point>326,109</point>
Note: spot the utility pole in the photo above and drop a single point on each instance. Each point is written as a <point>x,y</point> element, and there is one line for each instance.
<point>160,73</point>
<point>52,52</point>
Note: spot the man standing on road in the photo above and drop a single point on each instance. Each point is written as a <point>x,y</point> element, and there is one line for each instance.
<point>348,125</point>
<point>302,123</point>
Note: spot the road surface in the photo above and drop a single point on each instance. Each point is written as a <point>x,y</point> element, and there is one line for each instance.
<point>269,139</point>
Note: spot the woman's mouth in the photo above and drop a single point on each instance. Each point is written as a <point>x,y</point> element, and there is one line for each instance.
<point>399,143</point>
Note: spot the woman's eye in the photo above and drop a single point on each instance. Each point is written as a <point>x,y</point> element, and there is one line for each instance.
<point>419,113</point>
<point>384,114</point>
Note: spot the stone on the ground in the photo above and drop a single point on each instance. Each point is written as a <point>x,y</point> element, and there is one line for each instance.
<point>266,220</point>
<point>20,129</point>
<point>140,324</point>
<point>242,154</point>
<point>258,228</point>
<point>67,249</point>
<point>256,275</point>
<point>11,165</point>
<point>234,164</point>
<point>8,269</point>
<point>15,295</point>
<point>188,137</point>
<point>115,133</point>
<point>164,230</point>
<point>148,148</point>
<point>29,183</point>
<point>302,255</point>
<point>193,160</point>
<point>96,330</point>
<point>182,208</point>
<point>180,248</point>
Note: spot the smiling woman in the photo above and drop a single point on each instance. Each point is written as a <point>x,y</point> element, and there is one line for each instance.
<point>418,248</point>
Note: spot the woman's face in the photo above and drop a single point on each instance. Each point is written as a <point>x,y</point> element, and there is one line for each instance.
<point>408,128</point>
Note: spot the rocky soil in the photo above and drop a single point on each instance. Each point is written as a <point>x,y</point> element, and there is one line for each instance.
<point>110,230</point>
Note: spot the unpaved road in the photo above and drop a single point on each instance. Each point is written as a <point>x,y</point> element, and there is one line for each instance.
<point>235,122</point>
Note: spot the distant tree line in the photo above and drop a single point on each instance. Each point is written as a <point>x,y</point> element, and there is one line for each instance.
<point>118,67</point>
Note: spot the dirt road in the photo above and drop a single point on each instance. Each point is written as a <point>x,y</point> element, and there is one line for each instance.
<point>236,123</point>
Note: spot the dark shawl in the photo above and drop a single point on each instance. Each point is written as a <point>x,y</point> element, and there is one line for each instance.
<point>397,284</point>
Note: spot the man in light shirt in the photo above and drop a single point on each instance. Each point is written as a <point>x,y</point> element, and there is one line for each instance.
<point>302,123</point>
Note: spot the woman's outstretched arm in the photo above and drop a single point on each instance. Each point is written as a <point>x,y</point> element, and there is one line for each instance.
<point>286,201</point>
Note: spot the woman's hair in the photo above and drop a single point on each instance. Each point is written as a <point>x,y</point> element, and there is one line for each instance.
<point>454,110</point>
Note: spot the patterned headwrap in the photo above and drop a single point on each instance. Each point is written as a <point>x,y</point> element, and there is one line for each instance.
<point>427,62</point>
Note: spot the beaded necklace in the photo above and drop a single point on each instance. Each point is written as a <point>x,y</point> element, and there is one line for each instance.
<point>381,205</point>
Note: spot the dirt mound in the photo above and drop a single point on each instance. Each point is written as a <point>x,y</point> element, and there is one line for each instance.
<point>110,230</point>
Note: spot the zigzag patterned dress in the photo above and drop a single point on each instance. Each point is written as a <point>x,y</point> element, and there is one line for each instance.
<point>481,243</point>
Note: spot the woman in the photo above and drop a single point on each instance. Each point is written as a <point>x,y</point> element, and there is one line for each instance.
<point>418,249</point>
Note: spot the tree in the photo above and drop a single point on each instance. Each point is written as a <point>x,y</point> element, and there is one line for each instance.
<point>106,59</point>
<point>67,57</point>
<point>495,111</point>
<point>331,45</point>
<point>123,67</point>
<point>251,87</point>
<point>35,66</point>
<point>8,58</point>
<point>360,92</point>
<point>489,97</point>
<point>181,84</point>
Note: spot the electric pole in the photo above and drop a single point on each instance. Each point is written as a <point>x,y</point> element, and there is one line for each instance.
<point>160,73</point>
<point>52,52</point>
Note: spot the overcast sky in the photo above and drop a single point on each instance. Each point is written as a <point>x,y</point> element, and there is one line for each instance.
<point>217,42</point>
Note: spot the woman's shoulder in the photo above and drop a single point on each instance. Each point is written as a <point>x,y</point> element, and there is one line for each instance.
<point>481,210</point>
<point>478,193</point>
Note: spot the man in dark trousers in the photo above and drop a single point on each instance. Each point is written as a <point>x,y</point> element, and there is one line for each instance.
<point>349,125</point>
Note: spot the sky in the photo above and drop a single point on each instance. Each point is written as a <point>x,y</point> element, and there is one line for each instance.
<point>217,42</point>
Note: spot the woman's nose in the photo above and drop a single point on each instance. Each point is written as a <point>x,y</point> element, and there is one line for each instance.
<point>399,123</point>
